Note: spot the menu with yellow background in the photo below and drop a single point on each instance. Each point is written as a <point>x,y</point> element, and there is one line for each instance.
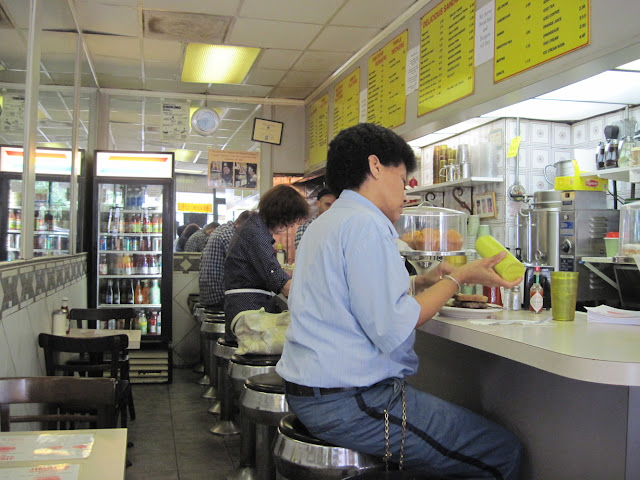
<point>446,54</point>
<point>531,32</point>
<point>318,131</point>
<point>386,101</point>
<point>346,102</point>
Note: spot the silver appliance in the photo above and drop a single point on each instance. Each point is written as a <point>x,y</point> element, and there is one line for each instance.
<point>561,227</point>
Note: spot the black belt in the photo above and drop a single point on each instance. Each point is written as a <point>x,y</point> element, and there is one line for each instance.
<point>304,391</point>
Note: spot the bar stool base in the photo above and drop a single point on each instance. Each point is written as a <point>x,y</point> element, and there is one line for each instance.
<point>225,428</point>
<point>198,368</point>
<point>204,380</point>
<point>215,408</point>
<point>210,392</point>
<point>243,473</point>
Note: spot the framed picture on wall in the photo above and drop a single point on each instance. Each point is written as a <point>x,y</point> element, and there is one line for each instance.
<point>267,131</point>
<point>484,205</point>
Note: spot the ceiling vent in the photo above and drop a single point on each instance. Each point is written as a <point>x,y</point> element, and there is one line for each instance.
<point>4,19</point>
<point>186,27</point>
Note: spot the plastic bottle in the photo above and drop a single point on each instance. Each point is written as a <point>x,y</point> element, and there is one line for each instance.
<point>536,293</point>
<point>18,216</point>
<point>159,324</point>
<point>153,324</point>
<point>145,292</point>
<point>138,294</point>
<point>154,292</point>
<point>65,308</point>
<point>58,323</point>
<point>12,221</point>
<point>509,268</point>
<point>142,323</point>
<point>103,269</point>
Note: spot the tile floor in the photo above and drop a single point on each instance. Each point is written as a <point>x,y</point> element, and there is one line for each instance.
<point>171,434</point>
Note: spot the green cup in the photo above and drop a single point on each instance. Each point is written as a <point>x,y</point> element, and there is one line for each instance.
<point>564,293</point>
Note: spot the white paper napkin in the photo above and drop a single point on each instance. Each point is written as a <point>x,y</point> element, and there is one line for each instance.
<point>546,321</point>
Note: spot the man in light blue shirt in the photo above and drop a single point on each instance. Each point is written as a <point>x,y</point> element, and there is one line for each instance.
<point>350,343</point>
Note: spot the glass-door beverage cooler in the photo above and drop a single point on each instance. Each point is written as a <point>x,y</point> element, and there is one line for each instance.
<point>52,202</point>
<point>132,247</point>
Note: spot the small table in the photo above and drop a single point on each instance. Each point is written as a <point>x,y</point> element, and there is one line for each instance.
<point>134,335</point>
<point>105,462</point>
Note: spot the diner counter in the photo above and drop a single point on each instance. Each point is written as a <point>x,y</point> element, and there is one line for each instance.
<point>592,352</point>
<point>569,390</point>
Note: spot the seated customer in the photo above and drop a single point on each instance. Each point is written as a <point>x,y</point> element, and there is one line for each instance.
<point>198,240</point>
<point>252,274</point>
<point>186,234</point>
<point>349,347</point>
<point>211,277</point>
<point>324,200</point>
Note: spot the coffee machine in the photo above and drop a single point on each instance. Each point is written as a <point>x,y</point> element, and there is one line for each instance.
<point>558,228</point>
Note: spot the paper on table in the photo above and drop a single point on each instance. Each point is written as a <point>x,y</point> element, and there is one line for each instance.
<point>546,321</point>
<point>45,447</point>
<point>62,471</point>
<point>606,314</point>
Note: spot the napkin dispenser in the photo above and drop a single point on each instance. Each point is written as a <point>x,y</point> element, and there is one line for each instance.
<point>545,281</point>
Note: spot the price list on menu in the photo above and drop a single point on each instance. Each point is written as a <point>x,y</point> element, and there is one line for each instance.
<point>386,100</point>
<point>319,130</point>
<point>346,102</point>
<point>531,32</point>
<point>446,54</point>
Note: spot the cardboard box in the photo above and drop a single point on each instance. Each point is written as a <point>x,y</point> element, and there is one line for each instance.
<point>591,183</point>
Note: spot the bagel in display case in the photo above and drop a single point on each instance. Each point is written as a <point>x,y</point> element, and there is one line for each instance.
<point>431,231</point>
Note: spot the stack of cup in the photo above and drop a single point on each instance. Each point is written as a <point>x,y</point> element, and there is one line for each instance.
<point>473,223</point>
<point>463,157</point>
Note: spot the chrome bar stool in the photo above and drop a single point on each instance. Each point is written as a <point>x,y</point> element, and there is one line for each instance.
<point>198,309</point>
<point>299,455</point>
<point>225,425</point>
<point>264,404</point>
<point>241,368</point>
<point>212,329</point>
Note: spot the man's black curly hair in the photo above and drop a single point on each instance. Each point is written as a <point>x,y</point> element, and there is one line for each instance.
<point>349,151</point>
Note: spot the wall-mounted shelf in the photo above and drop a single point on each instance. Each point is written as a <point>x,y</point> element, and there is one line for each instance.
<point>446,186</point>
<point>621,174</point>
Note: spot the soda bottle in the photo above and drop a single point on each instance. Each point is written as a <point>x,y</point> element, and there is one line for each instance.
<point>108,298</point>
<point>145,292</point>
<point>159,324</point>
<point>144,265</point>
<point>139,299</point>
<point>154,294</point>
<point>131,296</point>
<point>18,216</point>
<point>116,293</point>
<point>153,324</point>
<point>103,269</point>
<point>155,224</point>
<point>142,323</point>
<point>536,293</point>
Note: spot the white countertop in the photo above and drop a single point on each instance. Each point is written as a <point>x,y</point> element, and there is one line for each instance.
<point>592,352</point>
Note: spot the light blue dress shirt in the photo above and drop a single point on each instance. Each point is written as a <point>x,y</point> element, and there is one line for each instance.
<point>352,320</point>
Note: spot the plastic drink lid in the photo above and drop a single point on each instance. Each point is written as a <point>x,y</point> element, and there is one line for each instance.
<point>612,235</point>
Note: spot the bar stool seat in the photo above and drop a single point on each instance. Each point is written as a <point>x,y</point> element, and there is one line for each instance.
<point>242,367</point>
<point>298,454</point>
<point>395,475</point>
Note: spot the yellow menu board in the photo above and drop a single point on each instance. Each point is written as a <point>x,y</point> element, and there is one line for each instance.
<point>319,130</point>
<point>530,32</point>
<point>346,102</point>
<point>386,100</point>
<point>447,37</point>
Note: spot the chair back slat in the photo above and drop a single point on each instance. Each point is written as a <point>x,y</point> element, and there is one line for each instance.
<point>60,394</point>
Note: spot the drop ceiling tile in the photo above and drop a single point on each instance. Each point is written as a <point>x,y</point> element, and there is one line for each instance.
<point>262,76</point>
<point>117,67</point>
<point>370,13</point>
<point>272,34</point>
<point>55,14</point>
<point>111,19</point>
<point>162,70</point>
<point>307,11</point>
<point>177,87</point>
<point>13,49</point>
<point>303,79</point>
<point>321,61</point>
<point>128,104</point>
<point>111,81</point>
<point>57,42</point>
<point>162,50</point>
<point>277,59</point>
<point>343,39</point>
<point>240,90</point>
<point>235,116</point>
<point>213,7</point>
<point>290,92</point>
<point>111,46</point>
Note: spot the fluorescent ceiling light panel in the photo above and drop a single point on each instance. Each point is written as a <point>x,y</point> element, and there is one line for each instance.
<point>635,65</point>
<point>448,132</point>
<point>428,139</point>
<point>607,87</point>
<point>217,63</point>
<point>553,110</point>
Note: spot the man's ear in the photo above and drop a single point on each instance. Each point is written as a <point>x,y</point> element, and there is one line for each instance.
<point>374,166</point>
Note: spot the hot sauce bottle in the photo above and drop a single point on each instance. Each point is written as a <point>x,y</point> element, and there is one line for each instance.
<point>536,293</point>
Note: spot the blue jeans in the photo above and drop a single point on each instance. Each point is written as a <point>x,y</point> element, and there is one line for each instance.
<point>441,438</point>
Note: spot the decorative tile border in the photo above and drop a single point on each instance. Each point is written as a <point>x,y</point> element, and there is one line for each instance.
<point>186,262</point>
<point>24,282</point>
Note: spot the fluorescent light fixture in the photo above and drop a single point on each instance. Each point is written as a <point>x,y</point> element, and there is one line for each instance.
<point>217,63</point>
<point>429,139</point>
<point>608,87</point>
<point>553,110</point>
<point>635,65</point>
<point>449,132</point>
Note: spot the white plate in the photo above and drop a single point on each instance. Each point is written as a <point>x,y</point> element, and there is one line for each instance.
<point>457,312</point>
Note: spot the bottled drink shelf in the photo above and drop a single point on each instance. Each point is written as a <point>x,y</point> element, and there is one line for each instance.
<point>125,276</point>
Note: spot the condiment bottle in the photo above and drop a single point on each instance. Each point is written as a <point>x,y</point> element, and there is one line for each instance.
<point>65,308</point>
<point>536,293</point>
<point>509,267</point>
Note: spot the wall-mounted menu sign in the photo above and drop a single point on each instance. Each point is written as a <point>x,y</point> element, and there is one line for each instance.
<point>531,32</point>
<point>346,102</point>
<point>386,100</point>
<point>134,164</point>
<point>318,131</point>
<point>447,36</point>
<point>48,160</point>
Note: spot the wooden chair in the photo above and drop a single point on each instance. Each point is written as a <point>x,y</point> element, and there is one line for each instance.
<point>92,315</point>
<point>103,355</point>
<point>96,396</point>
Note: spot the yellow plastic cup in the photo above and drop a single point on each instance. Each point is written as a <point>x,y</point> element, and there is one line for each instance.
<point>564,294</point>
<point>509,268</point>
